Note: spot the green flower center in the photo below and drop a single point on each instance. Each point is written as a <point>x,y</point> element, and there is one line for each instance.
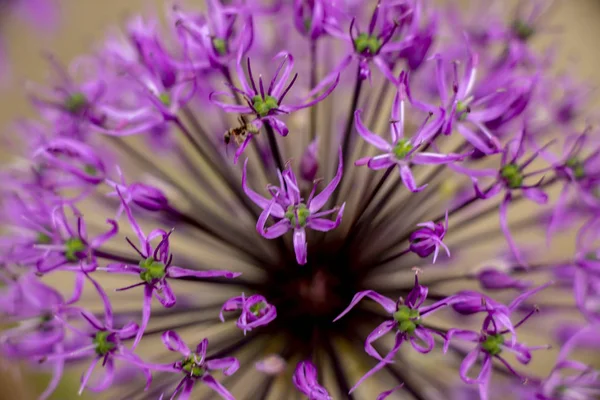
<point>493,344</point>
<point>307,24</point>
<point>576,167</point>
<point>402,148</point>
<point>408,319</point>
<point>191,366</point>
<point>90,170</point>
<point>365,42</point>
<point>101,343</point>
<point>303,214</point>
<point>165,99</point>
<point>512,175</point>
<point>263,106</point>
<point>152,270</point>
<point>42,238</point>
<point>74,246</point>
<point>257,308</point>
<point>220,46</point>
<point>463,110</point>
<point>523,30</point>
<point>75,103</point>
<point>591,256</point>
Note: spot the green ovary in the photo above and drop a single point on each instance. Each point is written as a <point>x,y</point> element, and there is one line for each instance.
<point>576,167</point>
<point>303,214</point>
<point>191,367</point>
<point>264,106</point>
<point>365,42</point>
<point>512,175</point>
<point>101,343</point>
<point>152,270</point>
<point>493,344</point>
<point>257,308</point>
<point>72,247</point>
<point>75,103</point>
<point>402,148</point>
<point>220,46</point>
<point>408,319</point>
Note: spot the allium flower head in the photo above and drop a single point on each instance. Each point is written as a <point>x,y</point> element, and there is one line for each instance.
<point>374,243</point>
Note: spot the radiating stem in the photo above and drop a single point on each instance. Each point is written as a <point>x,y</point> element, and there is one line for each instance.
<point>275,152</point>
<point>313,83</point>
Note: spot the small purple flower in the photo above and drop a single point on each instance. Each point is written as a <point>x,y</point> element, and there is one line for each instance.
<point>493,279</point>
<point>492,341</point>
<point>142,195</point>
<point>194,367</point>
<point>570,379</point>
<point>305,380</point>
<point>106,345</point>
<point>272,364</point>
<point>267,105</point>
<point>402,152</point>
<point>428,239</point>
<point>216,38</point>
<point>154,268</point>
<point>309,163</point>
<point>256,311</point>
<point>317,18</point>
<point>406,322</point>
<point>73,158</point>
<point>509,178</point>
<point>372,46</point>
<point>65,246</point>
<point>292,212</point>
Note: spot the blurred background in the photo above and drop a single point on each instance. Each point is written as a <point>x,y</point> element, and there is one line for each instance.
<point>67,28</point>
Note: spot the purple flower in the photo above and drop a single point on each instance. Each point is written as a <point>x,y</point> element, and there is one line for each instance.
<point>570,379</point>
<point>64,245</point>
<point>402,152</point>
<point>493,279</point>
<point>194,366</point>
<point>273,364</point>
<point>372,46</point>
<point>216,38</point>
<point>106,345</point>
<point>156,90</point>
<point>317,18</point>
<point>428,239</point>
<point>491,342</point>
<point>289,208</point>
<point>154,268</point>
<point>406,322</point>
<point>267,105</point>
<point>256,311</point>
<point>142,195</point>
<point>73,159</point>
<point>509,178</point>
<point>305,380</point>
<point>309,163</point>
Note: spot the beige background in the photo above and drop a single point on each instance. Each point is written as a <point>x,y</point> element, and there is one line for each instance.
<point>84,22</point>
